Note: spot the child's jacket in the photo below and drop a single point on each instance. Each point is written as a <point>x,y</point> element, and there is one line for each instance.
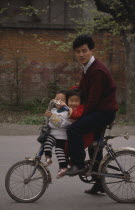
<point>58,123</point>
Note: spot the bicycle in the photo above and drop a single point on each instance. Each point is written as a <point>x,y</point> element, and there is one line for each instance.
<point>27,180</point>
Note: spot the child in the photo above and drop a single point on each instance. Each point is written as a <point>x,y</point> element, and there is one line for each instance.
<point>58,121</point>
<point>75,112</point>
<point>76,109</point>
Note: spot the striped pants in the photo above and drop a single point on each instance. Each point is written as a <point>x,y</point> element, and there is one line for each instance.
<point>59,150</point>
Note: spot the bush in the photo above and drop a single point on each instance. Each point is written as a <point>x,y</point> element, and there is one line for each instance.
<point>36,106</point>
<point>122,108</point>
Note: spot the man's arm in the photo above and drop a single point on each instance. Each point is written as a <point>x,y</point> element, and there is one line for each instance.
<point>95,91</point>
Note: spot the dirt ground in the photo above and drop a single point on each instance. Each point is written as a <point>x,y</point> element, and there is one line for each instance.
<point>10,129</point>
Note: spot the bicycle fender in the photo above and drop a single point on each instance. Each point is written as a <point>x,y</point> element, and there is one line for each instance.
<point>127,149</point>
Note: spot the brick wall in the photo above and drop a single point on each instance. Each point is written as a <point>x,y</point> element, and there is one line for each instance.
<point>27,67</point>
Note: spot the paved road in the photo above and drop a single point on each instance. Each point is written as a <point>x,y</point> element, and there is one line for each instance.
<point>64,194</point>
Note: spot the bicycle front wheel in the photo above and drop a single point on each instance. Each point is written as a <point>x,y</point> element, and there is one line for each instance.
<point>120,189</point>
<point>22,190</point>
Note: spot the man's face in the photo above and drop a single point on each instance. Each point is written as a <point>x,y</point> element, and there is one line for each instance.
<point>83,54</point>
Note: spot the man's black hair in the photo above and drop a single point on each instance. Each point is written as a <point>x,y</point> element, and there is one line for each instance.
<point>83,39</point>
<point>73,92</point>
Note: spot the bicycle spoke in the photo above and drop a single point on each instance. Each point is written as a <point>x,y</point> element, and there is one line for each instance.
<point>113,167</point>
<point>36,179</point>
<point>122,190</point>
<point>130,169</point>
<point>114,182</point>
<point>20,187</point>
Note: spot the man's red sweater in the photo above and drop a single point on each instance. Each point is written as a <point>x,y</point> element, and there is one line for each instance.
<point>98,89</point>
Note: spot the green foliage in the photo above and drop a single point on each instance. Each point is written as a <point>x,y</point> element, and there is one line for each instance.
<point>29,10</point>
<point>75,3</point>
<point>96,21</point>
<point>31,113</point>
<point>40,105</point>
<point>122,108</point>
<point>52,88</point>
<point>32,120</point>
<point>36,106</point>
<point>2,10</point>
<point>121,11</point>
<point>58,45</point>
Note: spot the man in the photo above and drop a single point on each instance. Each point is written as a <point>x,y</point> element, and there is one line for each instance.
<point>100,105</point>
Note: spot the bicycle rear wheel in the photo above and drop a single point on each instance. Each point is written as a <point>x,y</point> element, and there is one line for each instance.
<point>120,189</point>
<point>19,189</point>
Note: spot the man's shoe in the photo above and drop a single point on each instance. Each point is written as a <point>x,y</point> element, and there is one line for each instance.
<point>97,187</point>
<point>74,170</point>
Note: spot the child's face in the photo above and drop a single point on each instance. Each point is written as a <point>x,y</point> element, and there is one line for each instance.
<point>74,101</point>
<point>61,98</point>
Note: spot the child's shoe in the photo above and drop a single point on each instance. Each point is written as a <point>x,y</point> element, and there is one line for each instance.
<point>48,161</point>
<point>61,173</point>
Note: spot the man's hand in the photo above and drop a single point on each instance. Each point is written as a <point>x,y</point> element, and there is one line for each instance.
<point>48,114</point>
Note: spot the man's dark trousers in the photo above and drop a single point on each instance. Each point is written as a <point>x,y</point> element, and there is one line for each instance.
<point>90,122</point>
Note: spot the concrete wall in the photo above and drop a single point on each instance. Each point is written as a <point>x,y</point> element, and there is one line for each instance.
<point>51,14</point>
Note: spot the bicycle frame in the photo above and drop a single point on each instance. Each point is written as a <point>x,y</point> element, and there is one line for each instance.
<point>110,152</point>
<point>37,161</point>
<point>101,144</point>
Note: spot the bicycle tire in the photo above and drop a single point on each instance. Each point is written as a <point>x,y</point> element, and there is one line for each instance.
<point>116,188</point>
<point>15,186</point>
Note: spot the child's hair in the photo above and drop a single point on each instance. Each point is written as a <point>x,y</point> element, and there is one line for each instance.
<point>62,91</point>
<point>74,92</point>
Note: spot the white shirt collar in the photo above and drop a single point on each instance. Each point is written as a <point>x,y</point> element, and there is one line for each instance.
<point>85,68</point>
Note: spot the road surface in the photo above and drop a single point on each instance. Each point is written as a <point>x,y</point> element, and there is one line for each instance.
<point>63,194</point>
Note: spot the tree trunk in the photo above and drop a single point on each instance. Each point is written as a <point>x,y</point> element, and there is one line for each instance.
<point>129,44</point>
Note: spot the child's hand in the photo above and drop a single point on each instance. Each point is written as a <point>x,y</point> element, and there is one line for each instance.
<point>62,103</point>
<point>70,112</point>
<point>48,114</point>
<point>59,102</point>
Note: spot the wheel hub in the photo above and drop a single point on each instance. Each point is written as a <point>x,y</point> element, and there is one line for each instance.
<point>26,181</point>
<point>127,177</point>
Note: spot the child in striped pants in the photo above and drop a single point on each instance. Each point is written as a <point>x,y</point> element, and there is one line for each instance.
<point>58,121</point>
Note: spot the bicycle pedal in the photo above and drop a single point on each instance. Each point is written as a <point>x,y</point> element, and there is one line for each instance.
<point>88,173</point>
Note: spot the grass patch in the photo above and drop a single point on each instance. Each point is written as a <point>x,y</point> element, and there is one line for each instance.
<point>36,106</point>
<point>32,120</point>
